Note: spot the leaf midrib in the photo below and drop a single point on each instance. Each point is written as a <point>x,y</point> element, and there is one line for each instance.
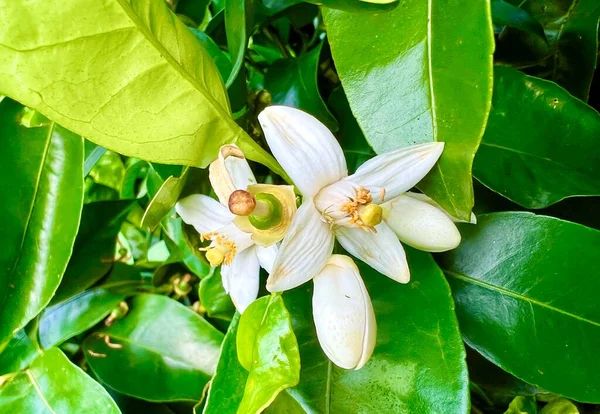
<point>38,390</point>
<point>515,295</point>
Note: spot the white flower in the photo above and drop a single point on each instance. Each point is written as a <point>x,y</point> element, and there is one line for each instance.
<point>352,208</point>
<point>343,314</point>
<point>234,242</point>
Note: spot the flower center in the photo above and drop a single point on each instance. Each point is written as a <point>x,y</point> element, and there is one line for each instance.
<point>221,250</point>
<point>361,211</point>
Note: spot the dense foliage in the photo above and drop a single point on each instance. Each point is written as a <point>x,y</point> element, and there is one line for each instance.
<point>111,112</point>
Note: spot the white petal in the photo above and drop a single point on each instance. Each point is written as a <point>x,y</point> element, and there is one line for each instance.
<point>343,314</point>
<point>393,173</point>
<point>267,256</point>
<point>420,224</point>
<point>304,147</point>
<point>230,172</point>
<point>241,239</point>
<point>241,278</point>
<point>424,198</point>
<point>382,250</point>
<point>203,212</point>
<point>303,252</point>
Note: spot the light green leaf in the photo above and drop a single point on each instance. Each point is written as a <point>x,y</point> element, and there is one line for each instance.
<point>525,290</point>
<point>358,5</point>
<point>522,405</point>
<point>267,348</point>
<point>418,364</point>
<point>560,406</point>
<point>160,351</point>
<point>420,73</point>
<point>293,82</point>
<point>540,144</point>
<point>54,385</point>
<point>126,74</point>
<point>41,182</point>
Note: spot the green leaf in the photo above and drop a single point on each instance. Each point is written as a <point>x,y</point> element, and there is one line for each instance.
<point>109,171</point>
<point>126,74</point>
<point>136,172</point>
<point>356,148</point>
<point>522,405</point>
<point>293,82</point>
<point>358,5</point>
<point>570,55</point>
<point>505,14</point>
<point>267,348</point>
<point>425,76</point>
<point>238,24</point>
<point>419,360</point>
<point>41,183</point>
<point>560,406</point>
<point>525,294</point>
<point>160,351</point>
<point>21,350</point>
<point>92,154</point>
<point>284,404</point>
<point>54,385</point>
<point>94,250</point>
<point>213,297</point>
<point>227,386</point>
<point>176,242</point>
<point>540,145</point>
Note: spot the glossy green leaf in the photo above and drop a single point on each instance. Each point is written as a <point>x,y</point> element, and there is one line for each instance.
<point>238,24</point>
<point>426,77</point>
<point>227,386</point>
<point>42,195</point>
<point>293,82</point>
<point>526,298</point>
<point>135,174</point>
<point>506,14</point>
<point>94,250</point>
<point>163,201</point>
<point>358,5</point>
<point>284,404</point>
<point>569,57</point>
<point>126,74</point>
<point>109,171</point>
<point>213,297</point>
<point>540,144</point>
<point>93,153</point>
<point>177,243</point>
<point>354,144</point>
<point>267,348</point>
<point>21,350</point>
<point>54,385</point>
<point>560,406</point>
<point>418,364</point>
<point>522,405</point>
<point>160,351</point>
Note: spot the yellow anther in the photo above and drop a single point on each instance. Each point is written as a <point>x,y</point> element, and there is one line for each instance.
<point>215,257</point>
<point>371,214</point>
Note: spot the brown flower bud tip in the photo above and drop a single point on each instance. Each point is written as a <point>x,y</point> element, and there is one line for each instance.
<point>241,203</point>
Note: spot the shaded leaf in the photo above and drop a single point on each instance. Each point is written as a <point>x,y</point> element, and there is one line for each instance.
<point>213,297</point>
<point>504,13</point>
<point>21,350</point>
<point>424,78</point>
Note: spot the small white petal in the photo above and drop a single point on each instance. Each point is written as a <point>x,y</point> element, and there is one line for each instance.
<point>382,250</point>
<point>393,173</point>
<point>343,314</point>
<point>428,200</point>
<point>331,199</point>
<point>241,239</point>
<point>241,278</point>
<point>203,212</point>
<point>267,256</point>
<point>230,172</point>
<point>303,252</point>
<point>304,147</point>
<point>420,224</point>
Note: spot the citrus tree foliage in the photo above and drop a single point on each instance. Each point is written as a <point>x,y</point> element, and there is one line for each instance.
<point>112,302</point>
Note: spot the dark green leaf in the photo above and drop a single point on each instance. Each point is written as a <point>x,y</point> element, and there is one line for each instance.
<point>418,364</point>
<point>54,385</point>
<point>160,351</point>
<point>505,14</point>
<point>267,348</point>
<point>540,144</point>
<point>526,298</point>
<point>293,82</point>
<point>238,24</point>
<point>94,251</point>
<point>177,243</point>
<point>213,297</point>
<point>41,183</point>
<point>425,76</point>
<point>21,350</point>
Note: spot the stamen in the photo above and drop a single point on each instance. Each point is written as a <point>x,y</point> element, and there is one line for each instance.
<point>362,199</point>
<point>221,250</point>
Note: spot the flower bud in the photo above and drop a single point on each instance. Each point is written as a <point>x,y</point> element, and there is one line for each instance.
<point>343,314</point>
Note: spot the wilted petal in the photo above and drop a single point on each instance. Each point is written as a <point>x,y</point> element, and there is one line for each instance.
<point>428,200</point>
<point>241,278</point>
<point>420,224</point>
<point>343,314</point>
<point>230,172</point>
<point>203,212</point>
<point>391,174</point>
<point>303,252</point>
<point>382,250</point>
<point>304,147</point>
<point>267,256</point>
